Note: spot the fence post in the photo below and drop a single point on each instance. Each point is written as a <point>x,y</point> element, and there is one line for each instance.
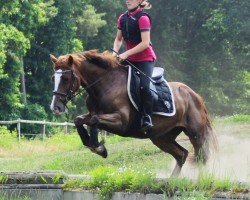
<point>19,130</point>
<point>105,135</point>
<point>66,128</point>
<point>44,128</point>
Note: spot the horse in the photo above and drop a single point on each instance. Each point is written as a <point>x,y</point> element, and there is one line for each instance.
<point>104,79</point>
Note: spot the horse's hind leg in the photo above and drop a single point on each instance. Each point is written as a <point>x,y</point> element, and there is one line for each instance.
<point>169,145</point>
<point>200,150</point>
<point>197,136</point>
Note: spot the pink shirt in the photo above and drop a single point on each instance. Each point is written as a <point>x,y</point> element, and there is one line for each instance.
<point>147,54</point>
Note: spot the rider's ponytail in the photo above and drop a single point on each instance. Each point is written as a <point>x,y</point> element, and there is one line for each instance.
<point>145,4</point>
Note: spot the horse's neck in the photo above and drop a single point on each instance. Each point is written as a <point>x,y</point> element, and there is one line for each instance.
<point>106,82</point>
<point>88,73</point>
<point>92,78</point>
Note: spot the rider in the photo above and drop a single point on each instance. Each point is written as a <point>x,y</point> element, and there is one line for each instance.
<point>134,28</point>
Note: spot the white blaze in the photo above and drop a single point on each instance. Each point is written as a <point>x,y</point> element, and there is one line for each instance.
<point>58,75</point>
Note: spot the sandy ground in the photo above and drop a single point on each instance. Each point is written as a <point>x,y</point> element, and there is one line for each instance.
<point>232,161</point>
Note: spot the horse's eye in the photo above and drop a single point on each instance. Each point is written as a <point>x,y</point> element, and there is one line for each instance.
<point>53,77</point>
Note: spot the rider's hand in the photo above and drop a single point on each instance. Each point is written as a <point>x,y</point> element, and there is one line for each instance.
<point>123,56</point>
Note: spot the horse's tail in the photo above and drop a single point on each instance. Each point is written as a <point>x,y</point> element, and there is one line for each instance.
<point>205,143</point>
<point>210,144</point>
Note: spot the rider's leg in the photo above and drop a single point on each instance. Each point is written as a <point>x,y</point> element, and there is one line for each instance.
<point>147,109</point>
<point>146,94</point>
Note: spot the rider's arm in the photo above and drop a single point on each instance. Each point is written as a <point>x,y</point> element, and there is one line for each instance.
<point>118,41</point>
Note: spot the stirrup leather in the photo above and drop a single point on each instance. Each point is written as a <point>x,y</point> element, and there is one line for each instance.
<point>146,123</point>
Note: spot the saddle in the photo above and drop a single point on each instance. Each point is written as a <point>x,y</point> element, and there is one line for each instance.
<point>160,89</point>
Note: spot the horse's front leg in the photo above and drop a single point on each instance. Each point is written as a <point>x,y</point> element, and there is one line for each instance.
<point>82,131</point>
<point>90,141</point>
<point>95,146</point>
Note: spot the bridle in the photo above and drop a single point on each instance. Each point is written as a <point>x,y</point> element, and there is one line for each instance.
<point>69,93</point>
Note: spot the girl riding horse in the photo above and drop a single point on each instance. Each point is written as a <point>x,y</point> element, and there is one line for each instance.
<point>134,28</point>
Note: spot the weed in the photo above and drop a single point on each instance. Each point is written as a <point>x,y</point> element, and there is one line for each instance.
<point>43,180</point>
<point>106,180</point>
<point>180,185</point>
<point>205,181</point>
<point>222,185</point>
<point>3,179</point>
<point>56,179</point>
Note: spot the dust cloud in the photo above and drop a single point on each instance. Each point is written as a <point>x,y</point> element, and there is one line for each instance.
<point>232,161</point>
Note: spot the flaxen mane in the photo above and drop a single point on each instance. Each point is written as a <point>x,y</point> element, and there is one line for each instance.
<point>104,60</point>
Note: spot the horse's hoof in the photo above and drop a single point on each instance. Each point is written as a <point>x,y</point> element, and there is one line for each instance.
<point>100,150</point>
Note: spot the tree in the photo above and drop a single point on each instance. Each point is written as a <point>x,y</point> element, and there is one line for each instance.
<point>18,21</point>
<point>65,33</point>
<point>13,46</point>
<point>202,43</point>
<point>106,34</point>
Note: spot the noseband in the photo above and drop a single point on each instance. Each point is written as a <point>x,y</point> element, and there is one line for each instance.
<point>70,93</point>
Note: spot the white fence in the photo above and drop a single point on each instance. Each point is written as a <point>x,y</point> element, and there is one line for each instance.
<point>43,123</point>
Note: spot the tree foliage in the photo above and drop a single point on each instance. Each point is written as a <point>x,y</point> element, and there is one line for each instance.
<point>202,43</point>
<point>205,44</point>
<point>41,27</point>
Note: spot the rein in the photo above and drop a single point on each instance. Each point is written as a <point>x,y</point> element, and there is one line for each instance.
<point>118,55</point>
<point>95,82</point>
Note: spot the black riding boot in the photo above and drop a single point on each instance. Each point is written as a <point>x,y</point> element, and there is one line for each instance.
<point>147,110</point>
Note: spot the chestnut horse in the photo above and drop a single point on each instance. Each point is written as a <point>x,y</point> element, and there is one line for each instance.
<point>110,109</point>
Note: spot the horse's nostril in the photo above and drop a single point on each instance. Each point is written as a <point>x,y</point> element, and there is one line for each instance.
<point>58,108</point>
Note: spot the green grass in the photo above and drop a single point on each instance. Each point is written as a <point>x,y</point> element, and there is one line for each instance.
<point>106,180</point>
<point>110,179</point>
<point>235,118</point>
<point>238,125</point>
<point>66,152</point>
<point>130,166</point>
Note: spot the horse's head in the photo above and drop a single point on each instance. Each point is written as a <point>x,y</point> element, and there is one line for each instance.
<point>66,81</point>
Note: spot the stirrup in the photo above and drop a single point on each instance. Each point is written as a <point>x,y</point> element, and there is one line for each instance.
<point>146,123</point>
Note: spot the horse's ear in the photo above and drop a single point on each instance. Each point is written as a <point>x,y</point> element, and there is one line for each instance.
<point>53,58</point>
<point>70,60</point>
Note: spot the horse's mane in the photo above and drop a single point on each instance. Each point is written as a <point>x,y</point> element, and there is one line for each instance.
<point>104,60</point>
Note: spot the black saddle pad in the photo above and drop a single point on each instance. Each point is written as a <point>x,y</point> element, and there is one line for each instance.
<point>164,103</point>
